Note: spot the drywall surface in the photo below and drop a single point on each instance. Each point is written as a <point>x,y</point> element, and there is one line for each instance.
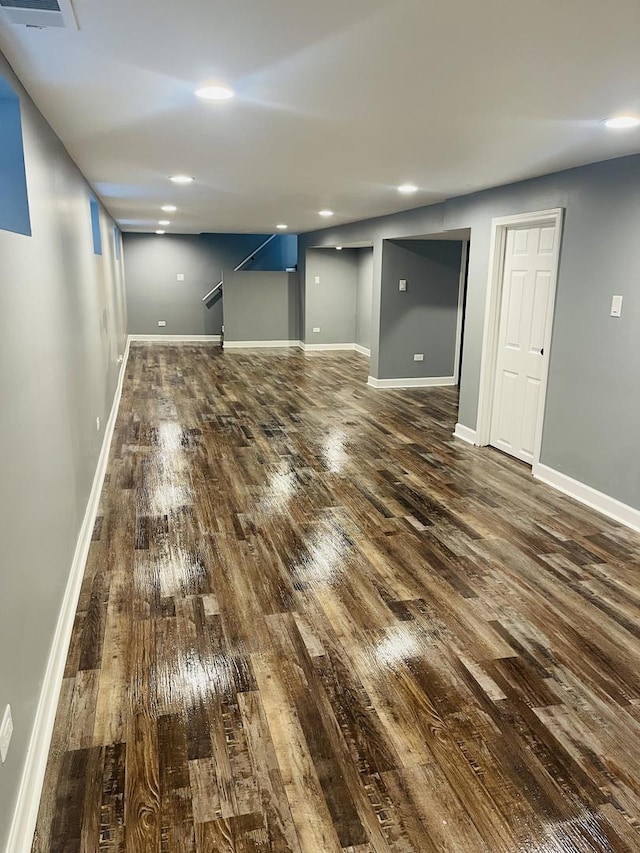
<point>592,414</point>
<point>261,306</point>
<point>364,297</point>
<point>423,318</point>
<point>154,262</point>
<point>62,328</point>
<point>331,296</point>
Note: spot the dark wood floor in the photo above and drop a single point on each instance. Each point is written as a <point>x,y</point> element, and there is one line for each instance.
<point>313,621</point>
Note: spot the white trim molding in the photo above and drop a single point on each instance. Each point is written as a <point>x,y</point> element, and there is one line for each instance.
<point>177,339</point>
<point>259,344</point>
<point>465,433</point>
<point>343,347</point>
<point>327,347</point>
<point>362,350</point>
<point>26,812</point>
<point>499,227</point>
<point>611,507</point>
<point>412,382</point>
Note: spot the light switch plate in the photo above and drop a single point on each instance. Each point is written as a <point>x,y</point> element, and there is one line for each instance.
<point>6,730</point>
<point>180,276</point>
<point>317,279</point>
<point>402,284</point>
<point>616,306</point>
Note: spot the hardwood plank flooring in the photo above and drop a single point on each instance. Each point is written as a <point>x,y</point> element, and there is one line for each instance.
<point>313,621</point>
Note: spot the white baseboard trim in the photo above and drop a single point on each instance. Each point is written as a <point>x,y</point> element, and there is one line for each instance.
<point>337,347</point>
<point>412,382</point>
<point>259,344</point>
<point>185,339</point>
<point>465,433</point>
<point>26,812</point>
<point>362,350</point>
<point>611,507</point>
<point>328,347</point>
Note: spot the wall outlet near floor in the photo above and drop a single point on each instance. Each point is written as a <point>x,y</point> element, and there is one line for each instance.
<point>98,424</point>
<point>120,359</point>
<point>180,276</point>
<point>419,356</point>
<point>6,730</point>
<point>162,323</point>
<point>316,328</point>
<point>402,284</point>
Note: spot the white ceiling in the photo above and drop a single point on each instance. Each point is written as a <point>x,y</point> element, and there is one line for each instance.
<point>338,101</point>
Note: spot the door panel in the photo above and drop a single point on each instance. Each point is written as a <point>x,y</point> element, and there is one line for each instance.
<point>513,324</point>
<point>524,306</point>
<point>504,415</point>
<point>541,291</point>
<point>530,415</point>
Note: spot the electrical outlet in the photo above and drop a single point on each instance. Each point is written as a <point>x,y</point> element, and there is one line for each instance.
<point>419,356</point>
<point>6,730</point>
<point>120,359</point>
<point>98,424</point>
<point>402,284</point>
<point>180,276</point>
<point>162,323</point>
<point>316,328</point>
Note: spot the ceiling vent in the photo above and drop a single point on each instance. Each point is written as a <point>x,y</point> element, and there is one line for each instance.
<point>39,13</point>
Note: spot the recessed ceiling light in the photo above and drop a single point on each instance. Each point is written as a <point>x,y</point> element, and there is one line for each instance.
<point>622,122</point>
<point>215,93</point>
<point>169,208</point>
<point>282,227</point>
<point>161,232</point>
<point>325,212</point>
<point>164,222</point>
<point>181,179</point>
<point>407,189</point>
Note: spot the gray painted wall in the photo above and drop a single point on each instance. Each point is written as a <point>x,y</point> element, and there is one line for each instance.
<point>62,327</point>
<point>331,304</point>
<point>364,296</point>
<point>592,417</point>
<point>153,262</point>
<point>423,318</point>
<point>261,306</point>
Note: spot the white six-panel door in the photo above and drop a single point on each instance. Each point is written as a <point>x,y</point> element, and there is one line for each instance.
<point>524,313</point>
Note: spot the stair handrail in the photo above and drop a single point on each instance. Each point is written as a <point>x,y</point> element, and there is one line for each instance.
<point>239,267</point>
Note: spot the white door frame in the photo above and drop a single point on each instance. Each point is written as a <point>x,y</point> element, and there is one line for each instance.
<point>499,227</point>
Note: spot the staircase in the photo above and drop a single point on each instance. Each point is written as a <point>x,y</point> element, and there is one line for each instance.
<point>215,293</point>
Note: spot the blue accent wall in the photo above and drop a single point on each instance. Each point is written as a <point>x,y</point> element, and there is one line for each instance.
<point>95,226</point>
<point>14,200</point>
<point>280,254</point>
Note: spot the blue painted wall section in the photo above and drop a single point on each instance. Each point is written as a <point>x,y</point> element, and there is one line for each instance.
<point>95,226</point>
<point>14,200</point>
